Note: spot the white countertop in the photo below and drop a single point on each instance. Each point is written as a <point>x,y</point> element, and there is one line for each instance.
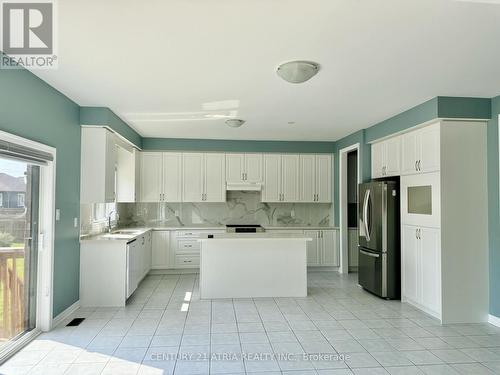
<point>116,237</point>
<point>139,231</point>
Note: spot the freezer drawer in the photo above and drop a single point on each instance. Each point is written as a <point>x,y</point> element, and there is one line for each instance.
<point>372,271</point>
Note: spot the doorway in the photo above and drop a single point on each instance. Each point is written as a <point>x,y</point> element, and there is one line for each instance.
<point>27,196</point>
<point>350,177</point>
<point>19,208</point>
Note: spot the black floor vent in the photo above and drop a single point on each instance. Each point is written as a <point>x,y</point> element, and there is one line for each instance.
<point>75,322</point>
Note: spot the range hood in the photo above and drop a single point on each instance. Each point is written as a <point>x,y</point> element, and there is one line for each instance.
<point>244,186</point>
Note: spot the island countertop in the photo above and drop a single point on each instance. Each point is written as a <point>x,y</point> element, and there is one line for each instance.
<point>254,236</point>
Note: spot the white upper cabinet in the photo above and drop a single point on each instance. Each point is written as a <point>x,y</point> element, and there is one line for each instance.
<point>290,178</point>
<point>98,164</point>
<point>386,158</point>
<point>281,178</point>
<point>242,168</point>
<point>151,177</point>
<point>271,191</point>
<point>214,177</point>
<point>193,175</point>
<point>253,168</point>
<point>235,166</point>
<point>172,177</point>
<point>315,178</point>
<point>430,149</point>
<point>377,159</point>
<point>161,177</point>
<point>421,150</point>
<point>323,178</point>
<point>307,178</point>
<point>392,154</point>
<point>204,177</point>
<point>127,174</point>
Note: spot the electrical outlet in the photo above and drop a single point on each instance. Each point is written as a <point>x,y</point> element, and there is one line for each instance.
<point>292,213</point>
<point>58,214</point>
<point>75,222</point>
<point>176,213</point>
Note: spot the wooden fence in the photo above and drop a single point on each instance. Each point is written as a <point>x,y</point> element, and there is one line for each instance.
<point>12,299</point>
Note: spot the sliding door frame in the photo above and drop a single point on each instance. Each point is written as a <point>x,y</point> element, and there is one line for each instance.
<point>45,274</point>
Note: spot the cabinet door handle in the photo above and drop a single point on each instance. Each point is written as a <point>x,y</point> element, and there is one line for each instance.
<point>416,165</point>
<point>419,167</point>
<point>416,234</point>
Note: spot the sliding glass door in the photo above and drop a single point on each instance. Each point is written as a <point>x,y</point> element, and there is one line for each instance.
<point>19,220</point>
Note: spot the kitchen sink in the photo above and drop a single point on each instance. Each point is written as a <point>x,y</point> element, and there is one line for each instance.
<point>118,235</point>
<point>126,231</point>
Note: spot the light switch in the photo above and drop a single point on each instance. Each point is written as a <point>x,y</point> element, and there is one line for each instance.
<point>58,214</point>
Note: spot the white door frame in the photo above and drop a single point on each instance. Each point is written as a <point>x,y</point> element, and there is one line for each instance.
<point>344,230</point>
<point>45,241</point>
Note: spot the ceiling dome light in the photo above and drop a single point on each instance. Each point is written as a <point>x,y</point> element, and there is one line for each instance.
<point>297,71</point>
<point>234,122</point>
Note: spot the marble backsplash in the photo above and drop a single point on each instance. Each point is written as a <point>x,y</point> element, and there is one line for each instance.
<point>239,208</point>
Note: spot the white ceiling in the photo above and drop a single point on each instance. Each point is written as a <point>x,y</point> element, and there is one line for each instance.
<point>175,68</point>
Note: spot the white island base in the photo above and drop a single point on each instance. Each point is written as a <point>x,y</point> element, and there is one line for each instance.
<point>253,265</point>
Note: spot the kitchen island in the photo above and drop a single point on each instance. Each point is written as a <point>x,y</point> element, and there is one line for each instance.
<point>253,265</point>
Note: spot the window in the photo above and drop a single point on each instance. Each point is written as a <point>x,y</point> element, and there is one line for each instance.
<point>20,200</point>
<point>101,211</point>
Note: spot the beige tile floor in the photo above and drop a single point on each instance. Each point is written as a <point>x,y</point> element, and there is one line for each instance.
<point>338,330</point>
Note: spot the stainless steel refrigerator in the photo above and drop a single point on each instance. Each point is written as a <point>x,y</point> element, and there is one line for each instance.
<point>379,269</point>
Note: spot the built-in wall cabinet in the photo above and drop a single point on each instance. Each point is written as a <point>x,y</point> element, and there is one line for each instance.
<point>386,158</point>
<point>114,171</point>
<point>161,177</point>
<point>204,177</point>
<point>297,178</point>
<point>421,150</point>
<point>244,168</point>
<point>315,176</point>
<point>98,163</point>
<point>127,174</point>
<point>444,226</point>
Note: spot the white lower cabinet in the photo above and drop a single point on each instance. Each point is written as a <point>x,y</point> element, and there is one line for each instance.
<point>111,270</point>
<point>421,268</point>
<point>186,247</point>
<point>323,250</point>
<point>161,255</point>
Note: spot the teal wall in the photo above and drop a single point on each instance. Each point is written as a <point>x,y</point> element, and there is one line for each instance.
<point>172,144</point>
<point>106,117</point>
<point>32,109</point>
<point>493,217</point>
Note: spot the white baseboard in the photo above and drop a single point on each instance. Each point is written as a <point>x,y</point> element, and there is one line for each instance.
<point>495,320</point>
<point>66,313</point>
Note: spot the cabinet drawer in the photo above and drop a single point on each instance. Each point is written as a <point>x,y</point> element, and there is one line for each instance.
<point>187,261</point>
<point>188,246</point>
<point>187,234</point>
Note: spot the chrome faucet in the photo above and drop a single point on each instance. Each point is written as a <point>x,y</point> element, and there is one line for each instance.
<point>109,220</point>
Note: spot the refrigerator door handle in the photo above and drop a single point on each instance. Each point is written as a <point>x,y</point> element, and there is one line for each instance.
<point>365,214</point>
<point>369,254</point>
